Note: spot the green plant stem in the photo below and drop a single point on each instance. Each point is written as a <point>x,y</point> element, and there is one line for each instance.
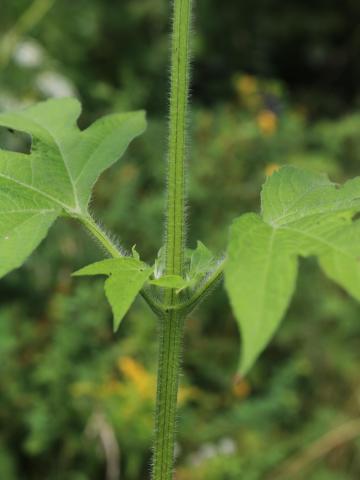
<point>28,20</point>
<point>172,322</point>
<point>175,214</point>
<point>114,251</point>
<point>172,319</point>
<point>171,333</point>
<point>100,236</point>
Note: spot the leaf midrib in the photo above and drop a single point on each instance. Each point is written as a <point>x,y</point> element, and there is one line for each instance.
<point>17,226</point>
<point>341,206</point>
<point>93,153</point>
<point>30,210</point>
<point>39,192</point>
<point>321,240</point>
<point>63,157</point>
<point>265,279</point>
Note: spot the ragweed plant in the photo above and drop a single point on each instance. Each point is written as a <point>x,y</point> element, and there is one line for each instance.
<point>302,214</point>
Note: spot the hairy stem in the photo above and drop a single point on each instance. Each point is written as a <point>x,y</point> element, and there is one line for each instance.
<point>175,214</point>
<point>101,236</point>
<point>114,251</point>
<point>172,323</point>
<point>171,332</point>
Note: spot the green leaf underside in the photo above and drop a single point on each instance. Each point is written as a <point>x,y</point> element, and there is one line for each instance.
<point>303,213</point>
<point>201,261</point>
<point>58,174</point>
<point>127,276</point>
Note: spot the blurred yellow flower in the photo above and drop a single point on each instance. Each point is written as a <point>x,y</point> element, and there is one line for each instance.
<point>267,122</point>
<point>136,373</point>
<point>145,383</point>
<point>271,168</point>
<point>138,383</point>
<point>241,388</point>
<point>246,85</point>
<point>128,172</point>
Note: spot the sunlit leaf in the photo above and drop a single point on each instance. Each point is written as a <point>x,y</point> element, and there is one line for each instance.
<point>58,174</point>
<point>303,214</point>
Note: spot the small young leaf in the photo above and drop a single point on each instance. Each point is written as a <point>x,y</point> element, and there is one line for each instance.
<point>303,214</point>
<point>58,174</point>
<point>159,266</point>
<point>170,281</point>
<point>135,253</point>
<point>201,261</point>
<point>127,276</point>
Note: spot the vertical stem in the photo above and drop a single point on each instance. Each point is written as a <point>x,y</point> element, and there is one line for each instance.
<point>172,323</point>
<point>30,18</point>
<point>175,227</point>
<point>171,332</point>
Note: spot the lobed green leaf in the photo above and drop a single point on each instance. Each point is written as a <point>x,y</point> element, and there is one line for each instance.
<point>304,214</point>
<point>58,174</point>
<point>126,277</point>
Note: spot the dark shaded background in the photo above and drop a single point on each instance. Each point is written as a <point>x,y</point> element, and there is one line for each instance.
<point>273,83</point>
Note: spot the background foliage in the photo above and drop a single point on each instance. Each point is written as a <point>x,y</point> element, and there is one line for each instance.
<point>272,84</point>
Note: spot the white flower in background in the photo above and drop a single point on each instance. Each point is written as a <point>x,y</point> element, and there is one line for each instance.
<point>206,451</point>
<point>177,450</point>
<point>29,54</point>
<point>53,84</point>
<point>226,446</point>
<point>9,102</point>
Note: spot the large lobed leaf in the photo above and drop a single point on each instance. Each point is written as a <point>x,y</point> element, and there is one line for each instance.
<point>302,213</point>
<point>59,173</point>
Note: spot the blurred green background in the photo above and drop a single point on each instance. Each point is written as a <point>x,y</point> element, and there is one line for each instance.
<point>273,83</point>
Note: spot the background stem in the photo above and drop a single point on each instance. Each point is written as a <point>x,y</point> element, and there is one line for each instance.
<point>28,20</point>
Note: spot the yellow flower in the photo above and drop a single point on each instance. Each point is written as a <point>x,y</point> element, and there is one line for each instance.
<point>241,387</point>
<point>267,122</point>
<point>246,85</point>
<point>136,373</point>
